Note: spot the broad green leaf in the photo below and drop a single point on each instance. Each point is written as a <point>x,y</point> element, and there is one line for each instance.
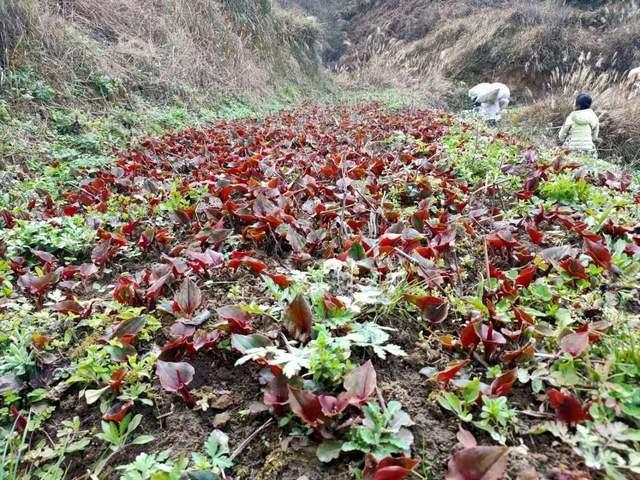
<point>329,450</point>
<point>142,439</point>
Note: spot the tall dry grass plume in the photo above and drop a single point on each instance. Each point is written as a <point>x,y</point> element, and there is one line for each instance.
<point>389,63</point>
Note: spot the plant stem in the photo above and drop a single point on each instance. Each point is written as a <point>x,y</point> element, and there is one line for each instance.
<point>250,438</point>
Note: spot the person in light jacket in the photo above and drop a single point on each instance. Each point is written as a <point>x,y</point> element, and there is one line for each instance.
<point>581,128</point>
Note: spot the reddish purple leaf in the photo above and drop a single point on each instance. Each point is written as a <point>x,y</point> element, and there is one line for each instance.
<point>298,319</point>
<point>239,321</point>
<point>478,463</point>
<point>332,406</point>
<point>38,285</point>
<point>276,395</point>
<point>306,405</point>
<point>209,258</point>
<point>469,338</point>
<point>257,266</point>
<point>175,377</point>
<point>102,252</point>
<point>536,235</point>
<point>575,343</point>
<point>389,468</point>
<point>68,306</point>
<point>202,340</point>
<point>126,291</point>
<point>501,385</point>
<point>21,421</point>
<point>127,330</point>
<point>188,298</point>
<point>88,269</point>
<point>599,252</point>
<point>466,438</point>
<point>360,383</point>
<point>452,369</point>
<point>574,268</point>
<point>117,412</point>
<point>491,339</point>
<point>434,309</point>
<point>45,257</point>
<point>296,240</point>
<point>568,409</point>
<point>117,377</point>
<point>153,292</point>
<point>502,239</point>
<point>281,280</point>
<point>526,275</point>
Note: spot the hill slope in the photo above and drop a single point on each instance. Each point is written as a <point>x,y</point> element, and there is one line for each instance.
<point>195,48</point>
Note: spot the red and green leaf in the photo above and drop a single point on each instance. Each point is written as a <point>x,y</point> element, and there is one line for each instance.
<point>299,319</point>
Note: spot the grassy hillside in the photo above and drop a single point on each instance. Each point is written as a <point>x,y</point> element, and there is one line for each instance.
<point>160,50</point>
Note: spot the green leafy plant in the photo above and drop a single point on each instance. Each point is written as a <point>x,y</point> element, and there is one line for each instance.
<point>17,357</point>
<point>329,358</point>
<point>217,458</point>
<point>496,418</point>
<point>566,190</point>
<point>154,466</point>
<point>461,406</point>
<point>118,437</point>
<point>382,432</point>
<point>69,236</point>
<point>70,439</point>
<point>107,86</point>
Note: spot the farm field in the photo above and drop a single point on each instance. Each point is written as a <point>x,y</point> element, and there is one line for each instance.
<point>337,291</point>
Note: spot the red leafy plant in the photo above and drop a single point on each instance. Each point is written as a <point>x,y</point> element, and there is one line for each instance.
<point>575,343</point>
<point>389,468</point>
<point>446,375</point>
<point>117,412</point>
<point>238,321</point>
<point>188,299</point>
<point>298,319</point>
<point>175,377</point>
<point>37,286</point>
<point>476,462</point>
<point>313,409</point>
<point>433,309</point>
<point>127,292</point>
<point>568,408</point>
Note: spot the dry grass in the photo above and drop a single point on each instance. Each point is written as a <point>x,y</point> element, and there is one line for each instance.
<point>519,40</point>
<point>385,63</point>
<point>164,50</point>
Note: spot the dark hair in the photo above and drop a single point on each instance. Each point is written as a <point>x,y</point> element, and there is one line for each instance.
<point>583,101</point>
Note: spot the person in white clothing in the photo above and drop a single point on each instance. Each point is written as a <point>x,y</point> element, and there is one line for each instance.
<point>634,77</point>
<point>490,99</point>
